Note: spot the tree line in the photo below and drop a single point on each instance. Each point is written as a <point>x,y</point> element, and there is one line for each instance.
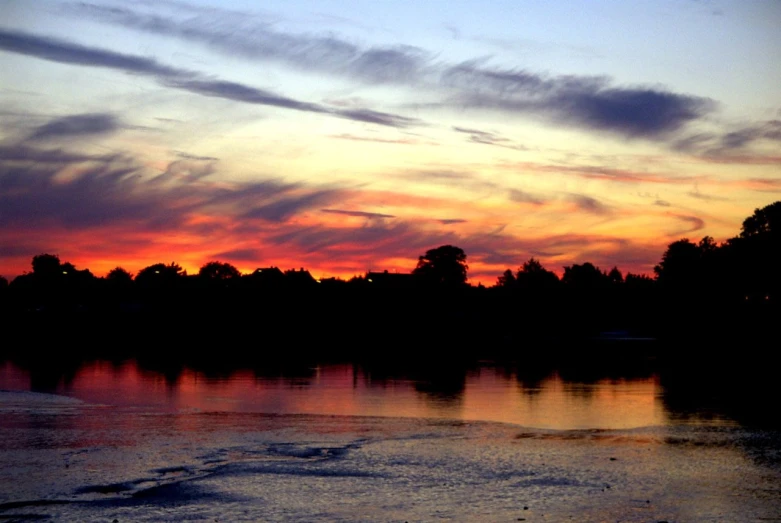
<point>700,289</point>
<point>747,266</point>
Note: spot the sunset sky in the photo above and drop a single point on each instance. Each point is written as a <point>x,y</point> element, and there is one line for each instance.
<point>344,136</point>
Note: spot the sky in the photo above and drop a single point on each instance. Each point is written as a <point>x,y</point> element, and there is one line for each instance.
<point>346,136</point>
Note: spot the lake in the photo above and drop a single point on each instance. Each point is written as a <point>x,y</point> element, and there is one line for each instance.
<point>144,441</point>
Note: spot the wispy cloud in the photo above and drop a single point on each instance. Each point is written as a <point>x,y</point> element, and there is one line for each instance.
<point>590,205</point>
<point>763,184</point>
<point>489,138</point>
<point>736,145</point>
<point>449,178</point>
<point>76,126</point>
<point>56,50</point>
<point>375,239</point>
<point>597,172</point>
<point>695,224</point>
<point>242,34</point>
<point>519,196</point>
<point>705,197</point>
<point>590,102</point>
<point>102,191</point>
<point>373,139</point>
<point>377,117</point>
<point>26,153</point>
<point>622,175</point>
<point>282,209</point>
<point>241,93</point>
<point>61,51</point>
<point>357,214</point>
<point>188,156</point>
<point>244,255</point>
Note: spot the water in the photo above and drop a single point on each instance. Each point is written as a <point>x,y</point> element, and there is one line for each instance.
<point>99,441</point>
<point>484,393</point>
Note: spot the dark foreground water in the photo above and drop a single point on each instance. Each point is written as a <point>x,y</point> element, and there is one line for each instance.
<point>98,441</point>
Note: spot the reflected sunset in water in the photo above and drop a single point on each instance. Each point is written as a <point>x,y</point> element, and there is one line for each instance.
<point>485,393</point>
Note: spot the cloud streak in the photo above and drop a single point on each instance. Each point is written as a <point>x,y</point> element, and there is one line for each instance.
<point>242,34</point>
<point>399,141</point>
<point>61,51</point>
<point>735,146</point>
<point>590,102</point>
<point>116,190</point>
<point>590,205</point>
<point>357,214</point>
<point>587,102</point>
<point>489,138</point>
<point>56,50</point>
<point>77,126</point>
<point>594,172</point>
<point>519,196</point>
<point>695,224</point>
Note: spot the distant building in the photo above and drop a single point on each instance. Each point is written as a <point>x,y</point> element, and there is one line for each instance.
<point>299,278</point>
<point>332,282</point>
<point>267,277</point>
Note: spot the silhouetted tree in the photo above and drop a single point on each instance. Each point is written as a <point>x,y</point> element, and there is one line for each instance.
<point>48,270</point>
<point>638,280</point>
<point>46,265</point>
<point>615,276</point>
<point>686,265</point>
<point>215,270</point>
<point>159,274</point>
<point>507,279</point>
<point>533,276</point>
<point>584,276</point>
<point>119,276</point>
<point>757,253</point>
<point>119,283</point>
<point>74,277</point>
<point>707,246</point>
<point>445,265</point>
<point>764,221</point>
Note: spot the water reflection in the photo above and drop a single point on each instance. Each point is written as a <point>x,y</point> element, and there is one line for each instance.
<point>540,398</point>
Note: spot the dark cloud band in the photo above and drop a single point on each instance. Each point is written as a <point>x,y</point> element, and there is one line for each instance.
<point>77,125</point>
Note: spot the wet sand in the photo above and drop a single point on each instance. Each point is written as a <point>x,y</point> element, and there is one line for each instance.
<point>62,459</point>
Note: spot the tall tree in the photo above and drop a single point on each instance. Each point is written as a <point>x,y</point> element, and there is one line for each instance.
<point>507,279</point>
<point>758,252</point>
<point>615,276</point>
<point>215,270</point>
<point>687,265</point>
<point>764,221</point>
<point>445,265</point>
<point>46,265</point>
<point>533,276</point>
<point>584,276</point>
<point>160,274</point>
<point>119,276</point>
